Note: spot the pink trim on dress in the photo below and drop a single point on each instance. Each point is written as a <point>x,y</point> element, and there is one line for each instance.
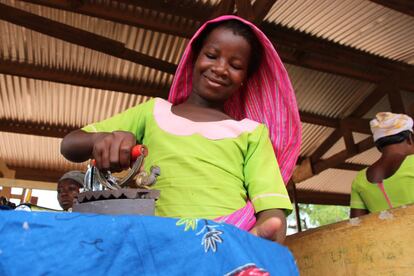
<point>243,218</point>
<point>381,186</point>
<point>180,126</point>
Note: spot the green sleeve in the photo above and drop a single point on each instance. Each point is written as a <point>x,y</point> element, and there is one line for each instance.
<point>131,120</point>
<point>356,200</point>
<point>263,179</point>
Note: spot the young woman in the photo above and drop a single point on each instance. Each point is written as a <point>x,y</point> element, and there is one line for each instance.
<point>211,139</point>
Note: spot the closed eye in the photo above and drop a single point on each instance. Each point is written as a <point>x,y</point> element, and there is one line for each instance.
<point>210,56</point>
<point>236,66</point>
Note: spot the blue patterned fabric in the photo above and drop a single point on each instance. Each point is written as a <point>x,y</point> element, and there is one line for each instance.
<point>44,243</point>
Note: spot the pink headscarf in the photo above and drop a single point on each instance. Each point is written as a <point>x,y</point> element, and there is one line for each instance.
<point>266,97</point>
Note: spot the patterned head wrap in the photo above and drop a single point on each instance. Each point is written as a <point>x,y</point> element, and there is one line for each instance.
<point>387,124</point>
<point>266,97</point>
<point>76,176</point>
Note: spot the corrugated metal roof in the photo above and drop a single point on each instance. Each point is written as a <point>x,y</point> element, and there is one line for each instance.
<point>327,94</point>
<point>21,44</point>
<point>331,180</point>
<point>360,24</point>
<point>340,145</point>
<point>312,137</point>
<point>34,152</point>
<point>366,158</point>
<point>42,101</point>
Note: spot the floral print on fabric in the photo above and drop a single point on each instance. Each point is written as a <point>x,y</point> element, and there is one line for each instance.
<point>211,235</point>
<point>190,223</point>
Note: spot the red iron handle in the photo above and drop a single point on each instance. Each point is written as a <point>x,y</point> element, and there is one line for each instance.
<point>136,152</point>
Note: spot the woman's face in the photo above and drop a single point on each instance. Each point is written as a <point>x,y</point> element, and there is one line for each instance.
<point>221,66</point>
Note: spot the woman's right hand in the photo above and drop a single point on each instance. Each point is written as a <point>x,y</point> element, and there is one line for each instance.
<point>112,151</point>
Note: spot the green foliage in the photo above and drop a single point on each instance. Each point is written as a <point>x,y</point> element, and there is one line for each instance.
<point>319,215</point>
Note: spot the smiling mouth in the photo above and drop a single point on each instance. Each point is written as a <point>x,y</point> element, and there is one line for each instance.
<point>215,82</point>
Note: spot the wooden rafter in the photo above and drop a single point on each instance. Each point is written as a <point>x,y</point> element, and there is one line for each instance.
<point>349,123</point>
<point>261,8</point>
<point>5,171</point>
<point>396,102</point>
<point>350,146</point>
<point>360,110</point>
<point>27,184</point>
<point>127,16</point>
<point>256,12</point>
<point>182,8</point>
<point>323,55</point>
<point>356,125</point>
<point>112,83</point>
<point>314,164</point>
<point>350,166</point>
<point>224,7</point>
<point>80,37</point>
<point>315,119</point>
<point>404,6</point>
<point>45,175</point>
<point>340,157</point>
<point>245,9</point>
<point>32,128</point>
<point>326,145</point>
<point>326,198</point>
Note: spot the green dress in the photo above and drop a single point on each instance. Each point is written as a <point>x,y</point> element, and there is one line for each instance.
<point>208,169</point>
<point>399,188</point>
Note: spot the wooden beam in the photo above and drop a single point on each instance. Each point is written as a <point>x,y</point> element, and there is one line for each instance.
<point>297,210</point>
<point>38,174</point>
<point>396,102</point>
<point>404,6</point>
<point>32,128</point>
<point>187,9</point>
<point>356,125</point>
<point>350,166</point>
<point>340,157</point>
<point>17,183</point>
<point>373,98</point>
<point>303,171</point>
<point>245,9</point>
<point>315,119</point>
<point>311,44</point>
<point>129,17</point>
<point>350,123</point>
<point>323,55</point>
<point>5,171</point>
<point>112,83</point>
<point>223,8</point>
<point>326,145</point>
<point>323,198</point>
<point>80,37</point>
<point>261,8</point>
<point>350,146</point>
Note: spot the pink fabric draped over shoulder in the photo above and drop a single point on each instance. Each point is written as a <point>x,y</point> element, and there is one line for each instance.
<point>267,97</point>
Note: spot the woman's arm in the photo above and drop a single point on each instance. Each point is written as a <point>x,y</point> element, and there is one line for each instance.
<point>271,225</point>
<point>110,150</point>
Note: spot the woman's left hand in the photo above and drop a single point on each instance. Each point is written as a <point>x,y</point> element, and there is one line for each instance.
<point>271,225</point>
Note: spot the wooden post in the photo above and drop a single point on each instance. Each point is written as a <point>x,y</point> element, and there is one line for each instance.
<point>295,199</point>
